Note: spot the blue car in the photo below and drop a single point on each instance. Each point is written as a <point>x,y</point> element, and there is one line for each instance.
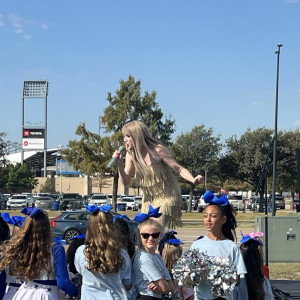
<point>71,223</point>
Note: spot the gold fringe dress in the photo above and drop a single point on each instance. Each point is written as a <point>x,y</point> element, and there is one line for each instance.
<point>161,188</point>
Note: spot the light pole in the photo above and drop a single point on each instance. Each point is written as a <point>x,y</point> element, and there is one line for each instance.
<point>275,134</point>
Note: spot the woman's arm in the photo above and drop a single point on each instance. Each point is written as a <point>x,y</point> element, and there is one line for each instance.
<point>125,172</point>
<point>172,163</point>
<point>61,271</point>
<point>162,286</point>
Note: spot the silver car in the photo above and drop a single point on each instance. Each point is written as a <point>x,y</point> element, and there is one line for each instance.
<point>20,201</point>
<point>43,202</point>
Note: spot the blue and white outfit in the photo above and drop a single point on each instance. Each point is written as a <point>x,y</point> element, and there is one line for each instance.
<point>11,285</point>
<point>103,285</point>
<point>46,286</point>
<point>224,248</point>
<point>146,268</point>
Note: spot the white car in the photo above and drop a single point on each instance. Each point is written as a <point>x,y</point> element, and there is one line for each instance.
<point>20,201</point>
<point>99,199</point>
<point>130,203</point>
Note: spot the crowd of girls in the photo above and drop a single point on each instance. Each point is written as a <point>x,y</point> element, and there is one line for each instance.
<point>107,263</point>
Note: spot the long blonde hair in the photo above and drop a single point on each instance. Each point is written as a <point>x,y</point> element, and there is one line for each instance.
<point>102,247</point>
<point>170,254</point>
<point>29,252</point>
<point>141,139</point>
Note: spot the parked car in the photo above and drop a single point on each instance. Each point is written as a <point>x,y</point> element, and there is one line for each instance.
<point>43,202</point>
<point>130,203</point>
<point>201,204</point>
<point>70,201</point>
<point>279,201</point>
<point>237,202</point>
<point>71,223</point>
<point>99,199</point>
<point>138,200</point>
<point>194,201</point>
<point>20,201</point>
<point>254,204</point>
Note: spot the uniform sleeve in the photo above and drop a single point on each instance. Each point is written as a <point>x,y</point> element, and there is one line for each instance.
<point>125,272</point>
<point>239,262</point>
<point>2,283</point>
<point>149,269</point>
<point>61,271</point>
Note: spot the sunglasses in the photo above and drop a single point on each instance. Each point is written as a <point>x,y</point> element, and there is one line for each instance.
<point>154,235</point>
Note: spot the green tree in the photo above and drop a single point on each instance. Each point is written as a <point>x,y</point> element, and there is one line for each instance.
<point>287,143</point>
<point>129,104</point>
<point>198,151</point>
<point>48,186</point>
<point>20,178</point>
<point>90,154</point>
<point>2,150</point>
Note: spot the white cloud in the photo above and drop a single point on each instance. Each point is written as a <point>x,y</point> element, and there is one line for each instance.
<point>291,1</point>
<point>297,122</point>
<point>44,26</point>
<point>298,91</point>
<point>256,103</point>
<point>1,23</point>
<point>27,37</point>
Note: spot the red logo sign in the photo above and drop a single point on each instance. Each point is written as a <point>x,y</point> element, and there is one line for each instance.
<point>26,133</point>
<point>25,143</point>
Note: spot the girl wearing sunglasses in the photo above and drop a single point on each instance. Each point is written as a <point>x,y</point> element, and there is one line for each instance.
<point>149,273</point>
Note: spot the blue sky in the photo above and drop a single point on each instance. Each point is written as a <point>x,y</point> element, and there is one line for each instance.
<point>211,62</point>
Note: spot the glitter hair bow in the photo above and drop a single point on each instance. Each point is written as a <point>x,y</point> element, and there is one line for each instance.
<point>125,217</point>
<point>252,236</point>
<point>210,198</point>
<point>152,213</point>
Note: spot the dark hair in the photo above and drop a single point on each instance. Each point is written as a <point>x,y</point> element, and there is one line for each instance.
<point>4,230</point>
<point>254,265</point>
<point>123,232</point>
<point>228,228</point>
<point>70,254</point>
<point>166,236</point>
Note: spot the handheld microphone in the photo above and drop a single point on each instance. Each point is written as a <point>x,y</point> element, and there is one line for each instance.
<point>114,159</point>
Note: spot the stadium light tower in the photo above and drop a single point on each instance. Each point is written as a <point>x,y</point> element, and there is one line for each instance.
<point>35,138</point>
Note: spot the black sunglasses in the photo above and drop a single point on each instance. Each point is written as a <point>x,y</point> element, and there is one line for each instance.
<point>154,235</point>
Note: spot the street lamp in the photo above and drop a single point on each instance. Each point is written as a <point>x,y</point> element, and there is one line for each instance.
<point>275,134</point>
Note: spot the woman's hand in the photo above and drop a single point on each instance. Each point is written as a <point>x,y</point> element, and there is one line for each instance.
<point>198,179</point>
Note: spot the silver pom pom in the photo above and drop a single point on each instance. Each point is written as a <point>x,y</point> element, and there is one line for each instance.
<point>194,266</point>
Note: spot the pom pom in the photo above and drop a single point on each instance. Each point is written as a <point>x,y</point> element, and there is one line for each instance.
<point>194,266</point>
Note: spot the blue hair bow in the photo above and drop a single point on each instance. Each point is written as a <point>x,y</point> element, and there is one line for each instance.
<point>81,236</point>
<point>210,198</point>
<point>35,211</point>
<point>152,213</point>
<point>252,236</point>
<point>125,217</point>
<point>26,210</point>
<point>31,212</point>
<point>94,208</point>
<point>5,216</point>
<point>172,242</point>
<point>59,240</point>
<point>17,221</point>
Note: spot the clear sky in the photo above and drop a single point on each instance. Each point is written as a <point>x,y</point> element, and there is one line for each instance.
<point>211,62</point>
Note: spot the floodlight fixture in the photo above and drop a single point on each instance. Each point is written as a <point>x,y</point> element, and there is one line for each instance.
<point>35,89</point>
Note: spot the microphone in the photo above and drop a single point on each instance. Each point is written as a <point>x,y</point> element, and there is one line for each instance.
<point>114,159</point>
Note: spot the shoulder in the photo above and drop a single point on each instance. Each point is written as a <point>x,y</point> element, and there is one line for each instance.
<point>160,149</point>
